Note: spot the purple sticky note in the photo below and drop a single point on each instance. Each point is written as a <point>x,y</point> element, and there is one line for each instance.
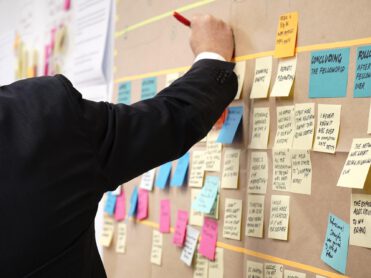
<point>209,237</point>
<point>165,216</point>
<point>142,212</point>
<point>120,209</point>
<point>180,228</point>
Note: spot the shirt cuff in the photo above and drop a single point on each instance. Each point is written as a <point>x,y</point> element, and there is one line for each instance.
<point>209,55</point>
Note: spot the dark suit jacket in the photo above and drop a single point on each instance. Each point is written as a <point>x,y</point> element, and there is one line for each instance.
<point>59,153</point>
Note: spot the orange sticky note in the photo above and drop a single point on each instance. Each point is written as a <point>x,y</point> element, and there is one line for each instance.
<point>286,35</point>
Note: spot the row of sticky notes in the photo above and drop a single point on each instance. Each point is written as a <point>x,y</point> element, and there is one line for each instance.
<point>270,270</point>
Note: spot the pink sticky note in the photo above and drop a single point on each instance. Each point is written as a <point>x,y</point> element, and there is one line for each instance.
<point>209,236</point>
<point>67,5</point>
<point>165,216</point>
<point>120,209</point>
<point>142,211</point>
<point>180,228</point>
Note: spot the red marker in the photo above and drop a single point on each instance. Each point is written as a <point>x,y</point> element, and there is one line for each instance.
<point>182,19</point>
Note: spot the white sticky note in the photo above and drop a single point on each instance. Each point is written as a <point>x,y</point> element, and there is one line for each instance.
<point>216,267</point>
<point>258,173</point>
<point>254,269</point>
<point>262,77</point>
<point>171,77</point>
<point>201,267</point>
<point>360,220</point>
<point>195,217</point>
<point>304,126</point>
<point>196,176</point>
<point>231,169</point>
<point>147,180</point>
<point>294,274</point>
<point>328,124</point>
<point>279,217</point>
<point>240,69</point>
<point>121,238</point>
<point>156,252</point>
<point>301,172</point>
<point>213,156</point>
<point>285,77</point>
<point>260,128</point>
<point>357,165</point>
<point>255,215</point>
<point>281,170</point>
<point>285,127</point>
<point>107,231</point>
<point>369,121</point>
<point>189,245</point>
<point>232,218</point>
<point>273,270</point>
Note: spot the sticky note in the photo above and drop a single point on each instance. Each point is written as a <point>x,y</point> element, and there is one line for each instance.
<point>258,173</point>
<point>255,215</point>
<point>273,270</point>
<point>196,176</point>
<point>209,236</point>
<point>362,79</point>
<point>205,200</point>
<point>260,128</point>
<point>214,213</point>
<point>304,126</point>
<point>142,212</point>
<point>190,245</point>
<point>230,126</point>
<point>121,237</point>
<point>171,77</point>
<point>165,215</point>
<point>124,93</point>
<point>301,172</point>
<point>335,247</point>
<point>156,251</point>
<point>107,231</point>
<point>239,70</point>
<point>180,171</point>
<point>201,267</point>
<point>262,77</point>
<point>357,165</point>
<point>180,228</point>
<point>285,77</point>
<point>281,170</point>
<point>285,127</point>
<point>286,35</point>
<point>213,156</point>
<point>120,210</point>
<point>329,73</point>
<point>149,88</point>
<point>279,217</point>
<point>216,267</point>
<point>254,269</point>
<point>163,173</point>
<point>109,207</point>
<point>231,169</point>
<point>196,217</point>
<point>147,180</point>
<point>294,274</point>
<point>232,219</point>
<point>133,202</point>
<point>360,220</point>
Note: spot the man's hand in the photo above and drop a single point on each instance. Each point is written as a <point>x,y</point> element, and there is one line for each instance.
<point>212,35</point>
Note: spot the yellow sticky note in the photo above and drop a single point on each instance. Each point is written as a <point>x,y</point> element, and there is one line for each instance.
<point>294,274</point>
<point>213,156</point>
<point>357,165</point>
<point>121,238</point>
<point>156,251</point>
<point>107,231</point>
<point>304,126</point>
<point>260,128</point>
<point>258,173</point>
<point>195,217</point>
<point>240,69</point>
<point>255,215</point>
<point>285,127</point>
<point>273,270</point>
<point>231,169</point>
<point>328,124</point>
<point>285,77</point>
<point>216,267</point>
<point>232,219</point>
<point>360,220</point>
<point>196,176</point>
<point>171,77</point>
<point>262,77</point>
<point>279,217</point>
<point>301,172</point>
<point>201,267</point>
<point>254,269</point>
<point>281,170</point>
<point>286,35</point>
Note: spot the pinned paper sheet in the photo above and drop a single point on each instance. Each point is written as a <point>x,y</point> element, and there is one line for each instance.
<point>357,165</point>
<point>294,274</point>
<point>281,170</point>
<point>216,267</point>
<point>121,238</point>
<point>163,173</point>
<point>231,124</point>
<point>180,171</point>
<point>149,88</point>
<point>285,77</point>
<point>165,216</point>
<point>255,215</point>
<point>142,211</point>
<point>254,269</point>
<point>205,200</point>
<point>201,267</point>
<point>133,202</point>
<point>286,35</point>
<point>190,245</point>
<point>304,126</point>
<point>107,231</point>
<point>232,219</point>
<point>285,127</point>
<point>240,69</point>
<point>147,180</point>
<point>109,207</point>
<point>279,217</point>
<point>258,173</point>
<point>156,251</point>
<point>213,156</point>
<point>262,77</point>
<point>209,237</point>
<point>273,270</point>
<point>362,79</point>
<point>335,247</point>
<point>120,210</point>
<point>124,93</point>
<point>301,170</point>
<point>260,128</point>
<point>171,77</point>
<point>180,228</point>
<point>329,73</point>
<point>195,218</point>
<point>360,220</point>
<point>231,169</point>
<point>196,176</point>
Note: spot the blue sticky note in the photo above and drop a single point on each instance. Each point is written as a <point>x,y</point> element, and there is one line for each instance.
<point>149,88</point>
<point>335,247</point>
<point>230,125</point>
<point>124,95</point>
<point>163,175</point>
<point>110,203</point>
<point>329,73</point>
<point>180,171</point>
<point>205,200</point>
<point>362,79</point>
<point>133,202</point>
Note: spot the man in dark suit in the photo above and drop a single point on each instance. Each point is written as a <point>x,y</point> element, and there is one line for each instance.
<point>59,153</point>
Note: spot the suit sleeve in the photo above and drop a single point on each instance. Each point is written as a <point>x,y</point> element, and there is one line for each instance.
<point>130,140</point>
